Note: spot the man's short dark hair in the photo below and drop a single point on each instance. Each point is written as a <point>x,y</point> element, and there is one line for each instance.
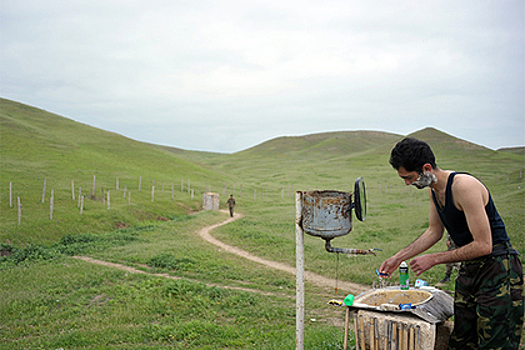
<point>411,154</point>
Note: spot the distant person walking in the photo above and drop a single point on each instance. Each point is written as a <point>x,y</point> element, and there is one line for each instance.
<point>488,301</point>
<point>231,204</point>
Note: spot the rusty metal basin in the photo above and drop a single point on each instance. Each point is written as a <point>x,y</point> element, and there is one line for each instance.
<point>327,214</point>
<point>395,297</point>
<point>430,304</point>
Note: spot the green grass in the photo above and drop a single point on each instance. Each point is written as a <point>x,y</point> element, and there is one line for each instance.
<point>49,299</point>
<point>53,300</point>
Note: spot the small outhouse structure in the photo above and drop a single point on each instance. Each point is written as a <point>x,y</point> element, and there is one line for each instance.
<point>211,201</point>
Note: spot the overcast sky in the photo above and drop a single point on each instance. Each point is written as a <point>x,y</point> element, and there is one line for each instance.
<point>227,75</point>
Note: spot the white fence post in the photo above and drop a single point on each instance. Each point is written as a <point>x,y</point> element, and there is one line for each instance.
<point>51,204</point>
<point>19,210</point>
<point>44,191</point>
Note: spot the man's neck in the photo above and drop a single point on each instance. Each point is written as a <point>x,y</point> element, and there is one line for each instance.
<point>442,177</point>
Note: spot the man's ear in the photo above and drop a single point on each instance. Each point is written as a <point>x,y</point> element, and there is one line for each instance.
<point>427,167</point>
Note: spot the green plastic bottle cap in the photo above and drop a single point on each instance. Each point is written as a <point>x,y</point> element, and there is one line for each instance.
<point>349,300</point>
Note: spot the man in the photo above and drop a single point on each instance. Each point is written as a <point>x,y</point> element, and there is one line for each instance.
<point>488,303</point>
<point>231,204</point>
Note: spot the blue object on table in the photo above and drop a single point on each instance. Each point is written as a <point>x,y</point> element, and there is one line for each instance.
<point>406,306</point>
<point>420,283</point>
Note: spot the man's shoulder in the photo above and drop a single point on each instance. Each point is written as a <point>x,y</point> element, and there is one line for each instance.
<point>463,181</point>
<point>466,188</point>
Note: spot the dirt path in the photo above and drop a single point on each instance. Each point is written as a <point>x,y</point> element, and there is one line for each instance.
<point>131,269</point>
<point>311,277</point>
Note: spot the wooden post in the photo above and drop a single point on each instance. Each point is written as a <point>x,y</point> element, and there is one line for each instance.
<point>81,205</point>
<point>73,189</point>
<point>192,193</point>
<point>44,191</point>
<point>94,184</point>
<point>255,194</point>
<point>79,195</point>
<point>140,183</point>
<point>19,210</point>
<point>109,205</point>
<point>10,194</point>
<point>51,204</point>
<point>117,184</point>
<point>125,190</point>
<point>153,192</point>
<point>299,274</point>
<point>347,328</point>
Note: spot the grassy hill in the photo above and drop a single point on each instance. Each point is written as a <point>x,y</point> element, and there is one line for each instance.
<point>37,146</point>
<point>48,299</point>
<point>517,150</point>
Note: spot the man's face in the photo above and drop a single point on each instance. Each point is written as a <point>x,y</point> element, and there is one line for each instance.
<point>424,180</point>
<point>419,179</point>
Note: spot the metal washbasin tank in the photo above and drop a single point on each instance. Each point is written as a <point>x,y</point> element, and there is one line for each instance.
<point>328,214</point>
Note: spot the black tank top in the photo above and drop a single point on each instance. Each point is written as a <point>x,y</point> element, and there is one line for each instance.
<point>456,224</point>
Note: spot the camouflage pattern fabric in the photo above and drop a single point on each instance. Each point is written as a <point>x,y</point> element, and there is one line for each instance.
<point>450,266</point>
<point>488,304</point>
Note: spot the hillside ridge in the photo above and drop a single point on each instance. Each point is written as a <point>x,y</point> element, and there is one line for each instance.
<point>329,142</point>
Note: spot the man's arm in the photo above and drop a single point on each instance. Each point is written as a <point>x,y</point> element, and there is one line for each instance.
<point>471,197</point>
<point>430,237</point>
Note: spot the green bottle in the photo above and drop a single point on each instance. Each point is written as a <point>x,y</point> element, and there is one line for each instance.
<point>403,276</point>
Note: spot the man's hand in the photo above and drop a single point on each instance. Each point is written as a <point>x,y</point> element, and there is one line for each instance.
<point>389,266</point>
<point>422,263</point>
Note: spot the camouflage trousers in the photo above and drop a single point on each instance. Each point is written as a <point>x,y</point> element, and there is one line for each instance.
<point>488,304</point>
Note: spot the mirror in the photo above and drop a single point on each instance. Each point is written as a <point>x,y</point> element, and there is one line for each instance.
<point>360,199</point>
